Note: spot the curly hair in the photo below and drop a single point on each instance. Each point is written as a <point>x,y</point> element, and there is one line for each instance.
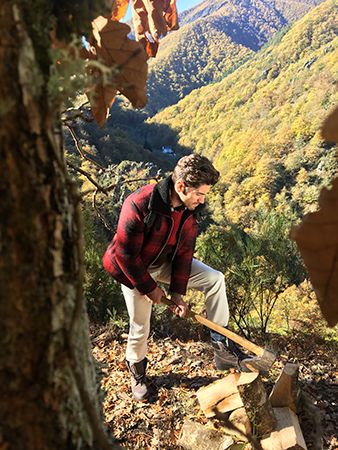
<point>195,170</point>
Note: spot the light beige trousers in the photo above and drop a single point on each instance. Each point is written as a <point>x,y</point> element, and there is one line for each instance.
<point>202,277</point>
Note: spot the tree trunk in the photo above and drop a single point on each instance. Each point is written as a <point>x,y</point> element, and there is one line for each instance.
<point>47,377</point>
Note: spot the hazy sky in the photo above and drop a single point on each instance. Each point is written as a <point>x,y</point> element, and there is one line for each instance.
<point>182,5</point>
<point>186,4</point>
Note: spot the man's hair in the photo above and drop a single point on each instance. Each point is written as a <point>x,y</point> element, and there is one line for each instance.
<point>195,170</point>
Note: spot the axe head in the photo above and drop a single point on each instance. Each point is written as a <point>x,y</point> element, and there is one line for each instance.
<point>261,363</point>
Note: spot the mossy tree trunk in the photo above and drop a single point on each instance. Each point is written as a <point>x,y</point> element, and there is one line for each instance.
<point>47,379</point>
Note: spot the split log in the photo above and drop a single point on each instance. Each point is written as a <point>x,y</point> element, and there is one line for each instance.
<point>223,394</point>
<point>288,434</point>
<point>258,407</point>
<point>272,442</point>
<point>286,391</point>
<point>195,436</point>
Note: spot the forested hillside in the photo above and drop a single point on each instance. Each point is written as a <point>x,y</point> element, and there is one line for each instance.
<point>289,9</point>
<point>261,123</point>
<point>213,39</point>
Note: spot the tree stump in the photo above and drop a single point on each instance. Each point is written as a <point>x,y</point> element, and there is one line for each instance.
<point>258,407</point>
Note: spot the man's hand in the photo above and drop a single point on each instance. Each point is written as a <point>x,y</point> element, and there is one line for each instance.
<point>181,308</point>
<point>156,295</point>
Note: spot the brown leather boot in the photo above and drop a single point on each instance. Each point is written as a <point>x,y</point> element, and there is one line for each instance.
<point>138,379</point>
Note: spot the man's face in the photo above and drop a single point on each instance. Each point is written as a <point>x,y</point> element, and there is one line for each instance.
<point>191,197</point>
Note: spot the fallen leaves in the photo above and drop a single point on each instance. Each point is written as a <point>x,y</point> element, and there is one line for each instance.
<point>175,372</point>
<point>177,369</point>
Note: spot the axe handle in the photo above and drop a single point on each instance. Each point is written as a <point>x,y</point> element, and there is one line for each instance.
<point>259,351</point>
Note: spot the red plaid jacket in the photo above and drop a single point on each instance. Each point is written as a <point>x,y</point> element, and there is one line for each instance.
<point>142,233</point>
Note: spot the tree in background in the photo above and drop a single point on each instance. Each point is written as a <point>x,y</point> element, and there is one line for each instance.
<point>256,265</point>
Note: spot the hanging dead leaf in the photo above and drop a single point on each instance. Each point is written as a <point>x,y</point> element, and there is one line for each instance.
<point>330,127</point>
<point>152,19</point>
<point>119,9</point>
<point>171,15</point>
<point>120,66</point>
<point>317,240</point>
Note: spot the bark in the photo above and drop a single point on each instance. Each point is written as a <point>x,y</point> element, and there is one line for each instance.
<point>258,407</point>
<point>47,378</point>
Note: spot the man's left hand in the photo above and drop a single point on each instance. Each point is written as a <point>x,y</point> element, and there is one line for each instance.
<point>180,308</point>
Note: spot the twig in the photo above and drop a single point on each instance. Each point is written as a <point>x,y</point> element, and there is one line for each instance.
<point>100,215</point>
<point>79,148</point>
<point>113,186</point>
<point>89,177</point>
<point>78,108</point>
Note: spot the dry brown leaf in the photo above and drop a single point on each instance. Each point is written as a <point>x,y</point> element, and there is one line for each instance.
<point>127,61</point>
<point>171,15</point>
<point>119,9</point>
<point>330,127</point>
<point>317,239</point>
<point>152,19</point>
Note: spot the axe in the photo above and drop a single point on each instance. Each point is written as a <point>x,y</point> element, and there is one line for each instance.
<point>265,358</point>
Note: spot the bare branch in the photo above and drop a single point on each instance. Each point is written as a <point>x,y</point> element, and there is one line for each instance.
<point>76,110</point>
<point>79,148</point>
<point>100,215</point>
<point>119,183</point>
<point>89,177</point>
<point>113,186</point>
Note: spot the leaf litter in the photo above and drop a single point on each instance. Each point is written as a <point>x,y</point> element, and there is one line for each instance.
<point>177,369</point>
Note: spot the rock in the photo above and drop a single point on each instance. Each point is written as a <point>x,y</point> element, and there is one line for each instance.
<point>195,436</point>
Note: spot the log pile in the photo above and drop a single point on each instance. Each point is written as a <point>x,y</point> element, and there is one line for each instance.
<point>248,413</point>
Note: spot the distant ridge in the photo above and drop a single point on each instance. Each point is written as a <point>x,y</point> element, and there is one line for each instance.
<point>214,37</point>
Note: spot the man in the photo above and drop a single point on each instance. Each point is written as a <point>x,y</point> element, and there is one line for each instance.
<point>155,242</point>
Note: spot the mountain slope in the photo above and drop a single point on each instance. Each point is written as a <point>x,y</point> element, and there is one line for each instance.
<point>291,10</point>
<point>214,37</point>
<point>261,123</point>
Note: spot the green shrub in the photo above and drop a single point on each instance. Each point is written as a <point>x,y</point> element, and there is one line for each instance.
<point>104,297</point>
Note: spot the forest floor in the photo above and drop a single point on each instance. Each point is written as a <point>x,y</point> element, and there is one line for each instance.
<point>177,368</point>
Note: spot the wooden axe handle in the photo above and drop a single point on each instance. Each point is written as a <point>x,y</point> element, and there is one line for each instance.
<point>259,351</point>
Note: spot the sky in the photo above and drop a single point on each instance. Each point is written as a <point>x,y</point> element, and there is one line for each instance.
<point>182,5</point>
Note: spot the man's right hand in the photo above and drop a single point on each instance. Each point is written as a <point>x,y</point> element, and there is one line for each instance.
<point>156,295</point>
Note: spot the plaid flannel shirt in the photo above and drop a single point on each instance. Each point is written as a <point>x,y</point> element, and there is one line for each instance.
<point>143,230</point>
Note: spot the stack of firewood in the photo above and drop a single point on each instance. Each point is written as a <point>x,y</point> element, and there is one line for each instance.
<point>249,414</point>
